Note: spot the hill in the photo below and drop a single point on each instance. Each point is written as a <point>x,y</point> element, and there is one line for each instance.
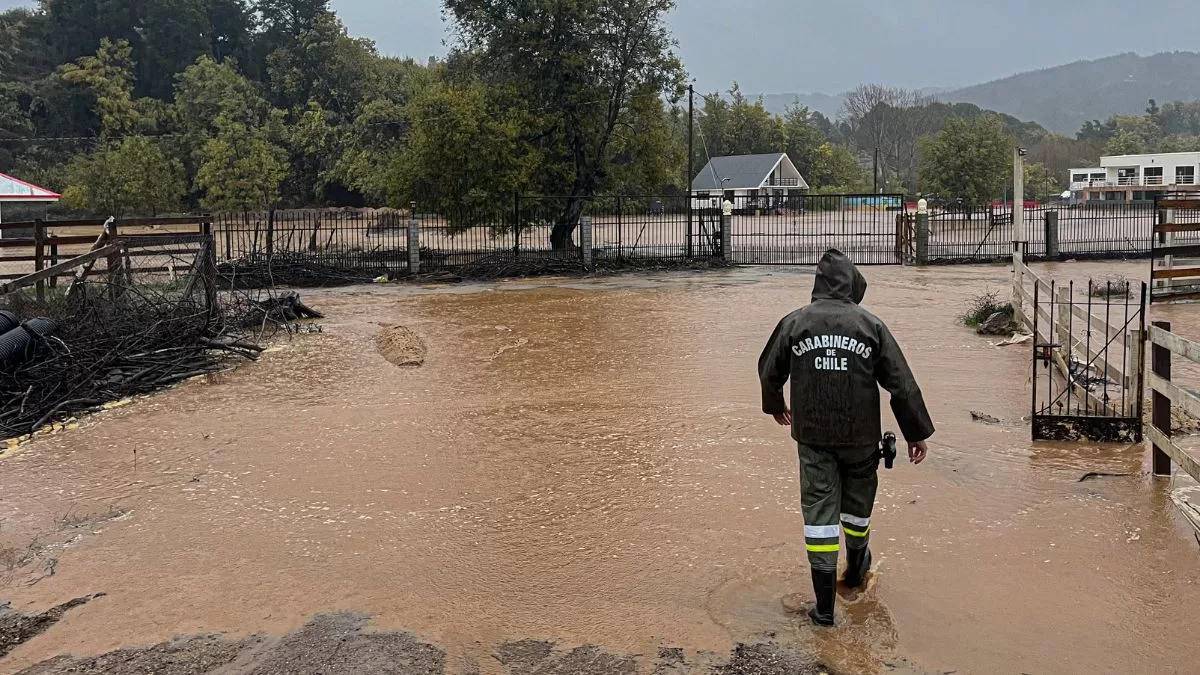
<point>1064,97</point>
<point>1061,98</point>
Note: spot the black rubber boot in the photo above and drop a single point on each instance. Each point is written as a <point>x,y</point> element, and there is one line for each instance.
<point>825,588</point>
<point>858,563</point>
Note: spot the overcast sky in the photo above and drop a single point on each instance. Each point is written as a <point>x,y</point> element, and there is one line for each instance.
<point>784,46</point>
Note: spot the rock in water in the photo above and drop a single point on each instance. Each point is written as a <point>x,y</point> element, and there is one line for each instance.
<point>401,346</point>
<point>998,323</point>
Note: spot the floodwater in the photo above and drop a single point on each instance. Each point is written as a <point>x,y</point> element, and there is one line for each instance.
<point>585,461</point>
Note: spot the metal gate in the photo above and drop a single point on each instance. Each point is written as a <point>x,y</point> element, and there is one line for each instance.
<point>780,229</point>
<point>1088,361</point>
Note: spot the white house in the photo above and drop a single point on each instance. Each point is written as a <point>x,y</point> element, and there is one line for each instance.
<point>1136,177</point>
<point>749,181</point>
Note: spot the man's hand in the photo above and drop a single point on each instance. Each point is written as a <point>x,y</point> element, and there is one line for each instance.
<point>784,419</point>
<point>917,452</point>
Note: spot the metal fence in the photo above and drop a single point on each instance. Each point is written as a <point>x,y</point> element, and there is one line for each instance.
<point>1094,229</point>
<point>798,229</point>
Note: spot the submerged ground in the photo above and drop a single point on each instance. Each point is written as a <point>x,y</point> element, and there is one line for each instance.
<point>578,479</point>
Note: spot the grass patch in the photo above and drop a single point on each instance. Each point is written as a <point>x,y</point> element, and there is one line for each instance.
<point>983,307</point>
<point>1111,287</point>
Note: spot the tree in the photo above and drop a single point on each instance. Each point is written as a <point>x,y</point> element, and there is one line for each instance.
<point>1152,109</point>
<point>242,169</point>
<point>968,160</point>
<point>323,64</point>
<point>108,76</point>
<point>804,138</point>
<point>290,17</point>
<point>582,62</point>
<point>886,118</point>
<point>464,158</point>
<point>750,129</point>
<point>134,177</point>
<point>1097,131</point>
<point>1126,142</point>
<point>1040,184</point>
<point>836,171</point>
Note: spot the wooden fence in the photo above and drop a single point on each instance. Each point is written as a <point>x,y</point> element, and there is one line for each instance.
<point>39,245</point>
<point>147,248</point>
<point>1166,393</point>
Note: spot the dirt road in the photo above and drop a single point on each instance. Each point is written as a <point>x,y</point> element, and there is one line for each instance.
<point>582,463</point>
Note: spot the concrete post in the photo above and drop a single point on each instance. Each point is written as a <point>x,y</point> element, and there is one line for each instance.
<point>414,242</point>
<point>1052,235</point>
<point>922,238</point>
<point>585,240</point>
<point>726,237</point>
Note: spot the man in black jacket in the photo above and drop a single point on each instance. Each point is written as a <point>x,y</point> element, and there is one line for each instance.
<point>837,354</point>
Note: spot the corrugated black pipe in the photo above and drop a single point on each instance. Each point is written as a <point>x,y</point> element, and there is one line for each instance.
<point>19,344</point>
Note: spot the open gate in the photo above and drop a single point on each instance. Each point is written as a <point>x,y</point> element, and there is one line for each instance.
<point>1088,359</point>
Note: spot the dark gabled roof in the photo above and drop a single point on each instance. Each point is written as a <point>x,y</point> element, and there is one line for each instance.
<point>744,172</point>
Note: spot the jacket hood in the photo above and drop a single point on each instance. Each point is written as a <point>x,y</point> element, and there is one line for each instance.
<point>838,279</point>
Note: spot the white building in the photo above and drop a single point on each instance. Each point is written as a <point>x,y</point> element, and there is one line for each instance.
<point>1136,177</point>
<point>749,181</point>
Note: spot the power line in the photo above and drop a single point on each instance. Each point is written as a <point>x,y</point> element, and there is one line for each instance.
<point>173,134</point>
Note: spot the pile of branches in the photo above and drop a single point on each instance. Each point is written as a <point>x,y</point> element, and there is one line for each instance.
<point>505,265</point>
<point>114,343</point>
<point>299,270</point>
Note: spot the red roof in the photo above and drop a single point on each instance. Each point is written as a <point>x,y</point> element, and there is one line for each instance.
<point>16,190</point>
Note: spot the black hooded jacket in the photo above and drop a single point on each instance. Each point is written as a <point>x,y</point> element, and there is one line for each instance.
<point>837,354</point>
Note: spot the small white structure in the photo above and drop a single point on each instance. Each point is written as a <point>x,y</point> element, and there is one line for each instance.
<point>1137,177</point>
<point>749,181</point>
<point>13,190</point>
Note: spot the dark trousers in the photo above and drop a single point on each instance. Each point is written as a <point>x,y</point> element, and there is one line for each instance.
<point>837,493</point>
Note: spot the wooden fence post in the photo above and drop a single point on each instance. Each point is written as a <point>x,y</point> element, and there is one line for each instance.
<point>1161,412</point>
<point>1134,358</point>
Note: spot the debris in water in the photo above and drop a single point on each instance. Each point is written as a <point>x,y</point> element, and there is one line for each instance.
<point>17,628</point>
<point>1016,339</point>
<point>1101,474</point>
<point>400,346</point>
<point>984,417</point>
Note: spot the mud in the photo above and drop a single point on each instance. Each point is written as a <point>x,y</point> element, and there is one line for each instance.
<point>400,346</point>
<point>583,463</point>
<point>17,628</point>
<point>343,643</point>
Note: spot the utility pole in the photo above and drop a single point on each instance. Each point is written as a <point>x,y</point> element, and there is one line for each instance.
<point>875,170</point>
<point>691,172</point>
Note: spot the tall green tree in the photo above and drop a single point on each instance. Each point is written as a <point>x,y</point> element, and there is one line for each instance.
<point>1040,184</point>
<point>968,160</point>
<point>581,61</point>
<point>242,169</point>
<point>464,158</point>
<point>134,177</point>
<point>752,130</point>
<point>836,171</point>
<point>804,138</point>
<point>108,77</point>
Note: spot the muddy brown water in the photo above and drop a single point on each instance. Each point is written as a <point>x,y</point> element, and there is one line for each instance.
<point>583,461</point>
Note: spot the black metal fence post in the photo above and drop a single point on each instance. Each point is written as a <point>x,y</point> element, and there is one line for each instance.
<point>516,224</point>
